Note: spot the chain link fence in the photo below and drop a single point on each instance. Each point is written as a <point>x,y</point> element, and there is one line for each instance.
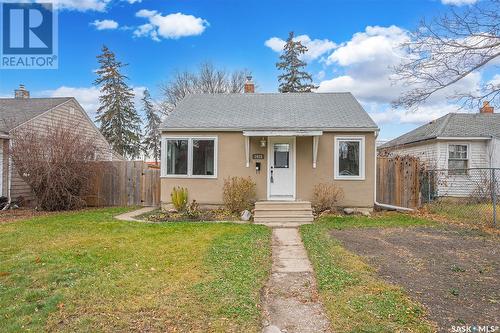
<point>464,195</point>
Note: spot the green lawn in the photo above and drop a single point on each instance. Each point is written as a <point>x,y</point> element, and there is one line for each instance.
<point>87,272</point>
<point>355,299</point>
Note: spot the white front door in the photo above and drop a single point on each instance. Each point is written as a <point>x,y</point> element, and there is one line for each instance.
<point>281,176</point>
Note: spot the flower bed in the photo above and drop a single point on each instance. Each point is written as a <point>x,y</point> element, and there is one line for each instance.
<point>218,214</point>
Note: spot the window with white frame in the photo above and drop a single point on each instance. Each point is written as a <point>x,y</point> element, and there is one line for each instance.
<point>349,158</point>
<point>190,157</point>
<point>458,159</point>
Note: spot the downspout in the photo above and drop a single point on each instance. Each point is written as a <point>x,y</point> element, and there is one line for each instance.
<point>378,204</point>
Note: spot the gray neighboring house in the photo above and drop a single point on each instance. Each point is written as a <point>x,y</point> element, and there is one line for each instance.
<point>23,112</point>
<point>454,141</point>
<point>286,143</point>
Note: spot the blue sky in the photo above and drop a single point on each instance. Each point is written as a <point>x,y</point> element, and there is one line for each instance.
<point>350,46</point>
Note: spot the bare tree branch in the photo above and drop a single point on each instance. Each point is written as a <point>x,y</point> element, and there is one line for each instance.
<point>446,51</point>
<point>207,79</point>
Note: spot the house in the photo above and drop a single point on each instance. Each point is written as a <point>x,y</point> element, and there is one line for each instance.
<point>287,143</point>
<point>458,144</point>
<point>22,112</point>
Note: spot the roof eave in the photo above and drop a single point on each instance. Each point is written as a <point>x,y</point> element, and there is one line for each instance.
<point>325,129</point>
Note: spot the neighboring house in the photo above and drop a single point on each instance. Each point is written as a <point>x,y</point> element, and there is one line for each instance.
<point>286,143</point>
<point>23,112</point>
<point>454,142</point>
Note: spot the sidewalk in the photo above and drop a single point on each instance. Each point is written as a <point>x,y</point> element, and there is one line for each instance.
<point>130,216</point>
<point>291,302</point>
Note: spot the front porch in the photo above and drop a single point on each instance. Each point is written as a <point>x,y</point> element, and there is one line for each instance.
<point>281,163</point>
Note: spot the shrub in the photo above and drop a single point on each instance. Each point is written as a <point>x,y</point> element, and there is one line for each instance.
<point>57,163</point>
<point>179,197</point>
<point>326,196</point>
<point>193,210</point>
<point>239,194</point>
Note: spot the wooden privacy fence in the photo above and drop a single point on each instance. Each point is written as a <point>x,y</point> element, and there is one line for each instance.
<point>124,183</point>
<point>398,181</point>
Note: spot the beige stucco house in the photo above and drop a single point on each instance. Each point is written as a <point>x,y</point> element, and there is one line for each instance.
<point>22,112</point>
<point>286,143</point>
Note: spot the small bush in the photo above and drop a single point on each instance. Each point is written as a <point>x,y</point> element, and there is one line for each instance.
<point>326,197</point>
<point>193,210</point>
<point>179,197</point>
<point>239,194</point>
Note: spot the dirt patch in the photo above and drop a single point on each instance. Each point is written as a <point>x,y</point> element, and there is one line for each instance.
<point>20,214</point>
<point>453,272</point>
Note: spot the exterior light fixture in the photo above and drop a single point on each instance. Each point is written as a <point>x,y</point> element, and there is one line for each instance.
<point>263,143</point>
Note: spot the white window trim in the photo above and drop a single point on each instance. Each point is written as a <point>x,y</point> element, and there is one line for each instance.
<point>361,140</point>
<point>466,159</point>
<point>190,156</point>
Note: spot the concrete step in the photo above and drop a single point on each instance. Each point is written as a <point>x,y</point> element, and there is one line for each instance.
<point>305,212</point>
<point>282,205</point>
<point>283,219</point>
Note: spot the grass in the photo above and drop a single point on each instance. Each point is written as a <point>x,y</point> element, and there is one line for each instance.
<point>355,299</point>
<point>474,214</point>
<point>86,272</point>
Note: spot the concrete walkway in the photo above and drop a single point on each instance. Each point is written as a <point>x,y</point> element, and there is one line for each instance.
<point>130,216</point>
<point>290,298</point>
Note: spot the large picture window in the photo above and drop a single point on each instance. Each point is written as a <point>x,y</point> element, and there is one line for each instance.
<point>349,158</point>
<point>458,160</point>
<point>189,157</point>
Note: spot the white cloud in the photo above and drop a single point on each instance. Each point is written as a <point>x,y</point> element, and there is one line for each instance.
<point>88,97</point>
<point>133,1</point>
<point>424,115</point>
<point>105,24</point>
<point>458,2</point>
<point>80,5</point>
<point>374,44</point>
<point>315,47</point>
<point>171,26</point>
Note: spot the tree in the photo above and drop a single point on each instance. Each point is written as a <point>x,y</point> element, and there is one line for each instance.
<point>151,142</point>
<point>119,122</point>
<point>207,79</point>
<point>294,77</point>
<point>56,163</point>
<point>448,49</point>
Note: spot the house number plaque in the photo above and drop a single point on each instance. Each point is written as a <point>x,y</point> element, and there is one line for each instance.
<point>258,156</point>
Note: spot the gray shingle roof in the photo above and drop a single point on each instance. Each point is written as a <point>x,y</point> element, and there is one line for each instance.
<point>292,111</point>
<point>452,125</point>
<point>14,112</point>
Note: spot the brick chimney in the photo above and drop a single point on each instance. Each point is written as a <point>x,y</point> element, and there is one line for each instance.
<point>249,85</point>
<point>21,93</point>
<point>486,108</point>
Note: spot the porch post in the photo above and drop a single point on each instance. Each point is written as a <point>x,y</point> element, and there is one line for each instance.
<point>247,151</point>
<point>315,150</point>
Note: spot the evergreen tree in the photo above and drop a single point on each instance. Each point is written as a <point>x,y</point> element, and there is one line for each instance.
<point>151,142</point>
<point>119,122</point>
<point>294,77</point>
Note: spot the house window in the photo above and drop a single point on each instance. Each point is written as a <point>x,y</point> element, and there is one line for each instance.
<point>458,160</point>
<point>281,155</point>
<point>177,157</point>
<point>349,158</point>
<point>189,157</point>
<point>203,157</point>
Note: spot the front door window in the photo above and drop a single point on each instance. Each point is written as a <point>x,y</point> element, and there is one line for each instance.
<point>281,155</point>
